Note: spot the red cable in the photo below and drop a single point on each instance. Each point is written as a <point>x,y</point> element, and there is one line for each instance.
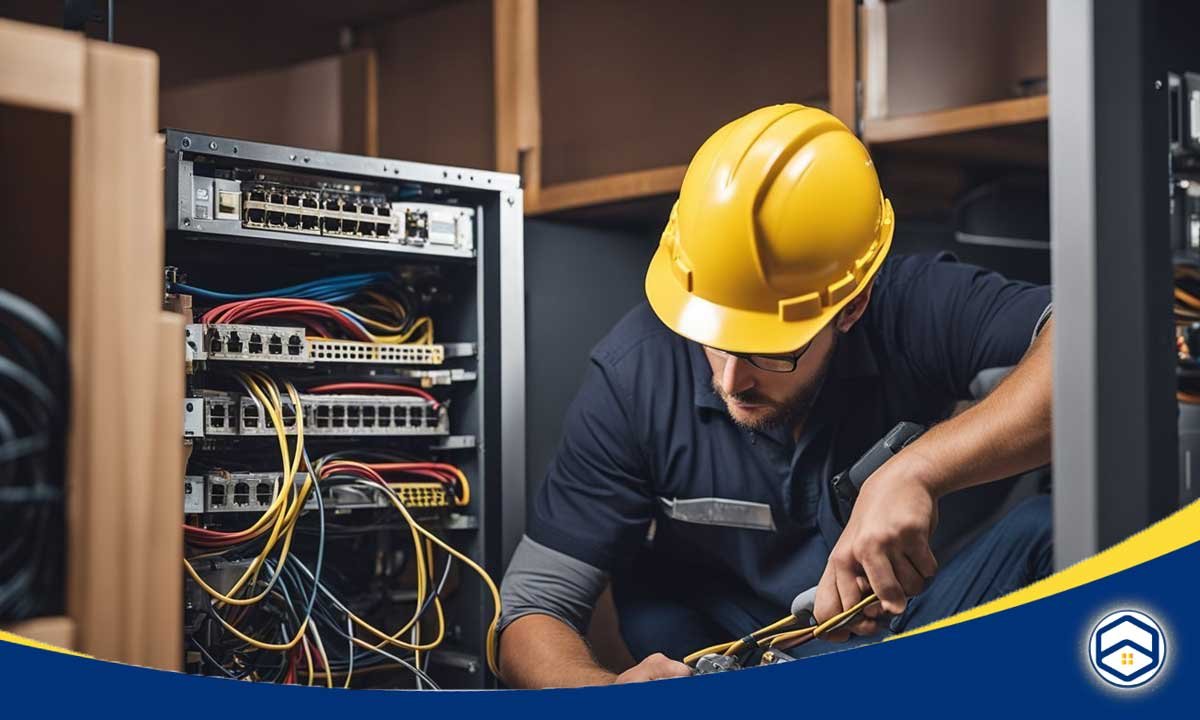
<point>245,310</point>
<point>387,387</point>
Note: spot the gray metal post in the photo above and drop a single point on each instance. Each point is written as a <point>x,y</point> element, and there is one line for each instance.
<point>1115,465</point>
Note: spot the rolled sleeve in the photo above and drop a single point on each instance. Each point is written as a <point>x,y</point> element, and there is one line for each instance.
<point>541,581</point>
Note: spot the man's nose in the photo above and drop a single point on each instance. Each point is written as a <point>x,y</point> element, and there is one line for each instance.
<point>736,376</point>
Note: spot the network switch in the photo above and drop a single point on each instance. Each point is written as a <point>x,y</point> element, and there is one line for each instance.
<point>231,492</point>
<point>282,344</point>
<point>234,414</point>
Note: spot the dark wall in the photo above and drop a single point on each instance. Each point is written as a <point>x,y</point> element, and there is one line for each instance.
<point>579,282</point>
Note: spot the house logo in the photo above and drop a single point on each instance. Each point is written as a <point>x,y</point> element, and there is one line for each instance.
<point>1127,648</point>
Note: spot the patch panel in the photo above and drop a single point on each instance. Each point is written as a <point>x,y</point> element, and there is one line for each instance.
<point>230,492</point>
<point>353,351</point>
<point>261,343</point>
<point>233,414</point>
<point>221,412</point>
<point>282,344</point>
<point>226,492</point>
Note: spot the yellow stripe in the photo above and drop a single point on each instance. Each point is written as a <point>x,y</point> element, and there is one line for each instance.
<point>1167,535</point>
<point>18,640</point>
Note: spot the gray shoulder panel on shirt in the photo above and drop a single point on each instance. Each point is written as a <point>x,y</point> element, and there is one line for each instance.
<point>543,581</point>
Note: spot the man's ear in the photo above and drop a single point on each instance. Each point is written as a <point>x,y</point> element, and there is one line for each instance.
<point>854,309</point>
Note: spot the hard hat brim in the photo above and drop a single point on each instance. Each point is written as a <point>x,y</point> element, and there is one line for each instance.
<point>738,330</point>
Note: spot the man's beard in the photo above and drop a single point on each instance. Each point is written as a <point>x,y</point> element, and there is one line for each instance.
<point>789,412</point>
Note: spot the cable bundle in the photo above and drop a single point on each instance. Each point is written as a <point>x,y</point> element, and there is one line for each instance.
<point>778,635</point>
<point>1187,315</point>
<point>273,621</point>
<point>33,418</point>
<point>331,290</point>
<point>366,307</point>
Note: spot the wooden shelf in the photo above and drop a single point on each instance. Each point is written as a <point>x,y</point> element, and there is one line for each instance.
<point>608,189</point>
<point>956,120</point>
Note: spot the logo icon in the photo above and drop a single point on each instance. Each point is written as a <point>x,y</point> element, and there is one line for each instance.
<point>1127,648</point>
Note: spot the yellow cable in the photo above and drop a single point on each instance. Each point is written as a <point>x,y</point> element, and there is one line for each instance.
<point>287,517</point>
<point>321,652</point>
<point>308,659</point>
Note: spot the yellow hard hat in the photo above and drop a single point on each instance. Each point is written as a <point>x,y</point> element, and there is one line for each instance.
<point>780,222</point>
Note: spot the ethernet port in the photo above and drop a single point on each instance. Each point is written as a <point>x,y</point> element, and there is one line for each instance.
<point>339,416</point>
<point>368,416</point>
<point>216,496</point>
<point>250,416</point>
<point>214,340</point>
<point>235,342</point>
<point>367,209</point>
<point>352,416</point>
<point>366,229</point>
<point>275,345</point>
<point>292,220</point>
<point>309,201</point>
<point>293,200</point>
<point>216,416</point>
<point>385,417</point>
<point>383,211</point>
<point>431,418</point>
<point>277,198</point>
<point>383,229</point>
<point>263,493</point>
<point>295,345</point>
<point>322,416</point>
<point>255,346</point>
<point>289,417</point>
<point>331,224</point>
<point>257,195</point>
<point>333,204</point>
<point>308,222</point>
<point>241,494</point>
<point>258,216</point>
<point>274,218</point>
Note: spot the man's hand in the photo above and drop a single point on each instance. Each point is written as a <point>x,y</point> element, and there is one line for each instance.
<point>885,546</point>
<point>654,667</point>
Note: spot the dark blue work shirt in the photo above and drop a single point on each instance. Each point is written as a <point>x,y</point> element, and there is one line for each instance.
<point>646,430</point>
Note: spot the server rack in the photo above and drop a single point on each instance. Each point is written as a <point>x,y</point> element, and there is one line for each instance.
<point>248,216</point>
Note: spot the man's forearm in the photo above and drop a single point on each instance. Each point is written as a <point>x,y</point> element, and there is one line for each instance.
<point>538,651</point>
<point>1005,434</point>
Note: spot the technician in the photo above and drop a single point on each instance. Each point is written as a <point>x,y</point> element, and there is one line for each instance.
<point>779,343</point>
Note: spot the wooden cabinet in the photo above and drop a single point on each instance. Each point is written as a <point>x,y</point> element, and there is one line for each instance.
<point>607,101</point>
<point>326,104</point>
<point>83,238</point>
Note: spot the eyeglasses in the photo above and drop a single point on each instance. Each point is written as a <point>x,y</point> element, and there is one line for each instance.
<point>770,363</point>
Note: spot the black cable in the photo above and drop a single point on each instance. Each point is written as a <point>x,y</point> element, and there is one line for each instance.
<point>33,410</point>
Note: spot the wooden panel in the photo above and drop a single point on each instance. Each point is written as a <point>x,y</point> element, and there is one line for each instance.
<point>43,68</point>
<point>118,568</point>
<point>843,61</point>
<point>436,85</point>
<point>994,45</point>
<point>57,632</point>
<point>323,104</point>
<point>518,99</point>
<point>945,122</point>
<point>360,103</point>
<point>629,85</point>
<point>614,188</point>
